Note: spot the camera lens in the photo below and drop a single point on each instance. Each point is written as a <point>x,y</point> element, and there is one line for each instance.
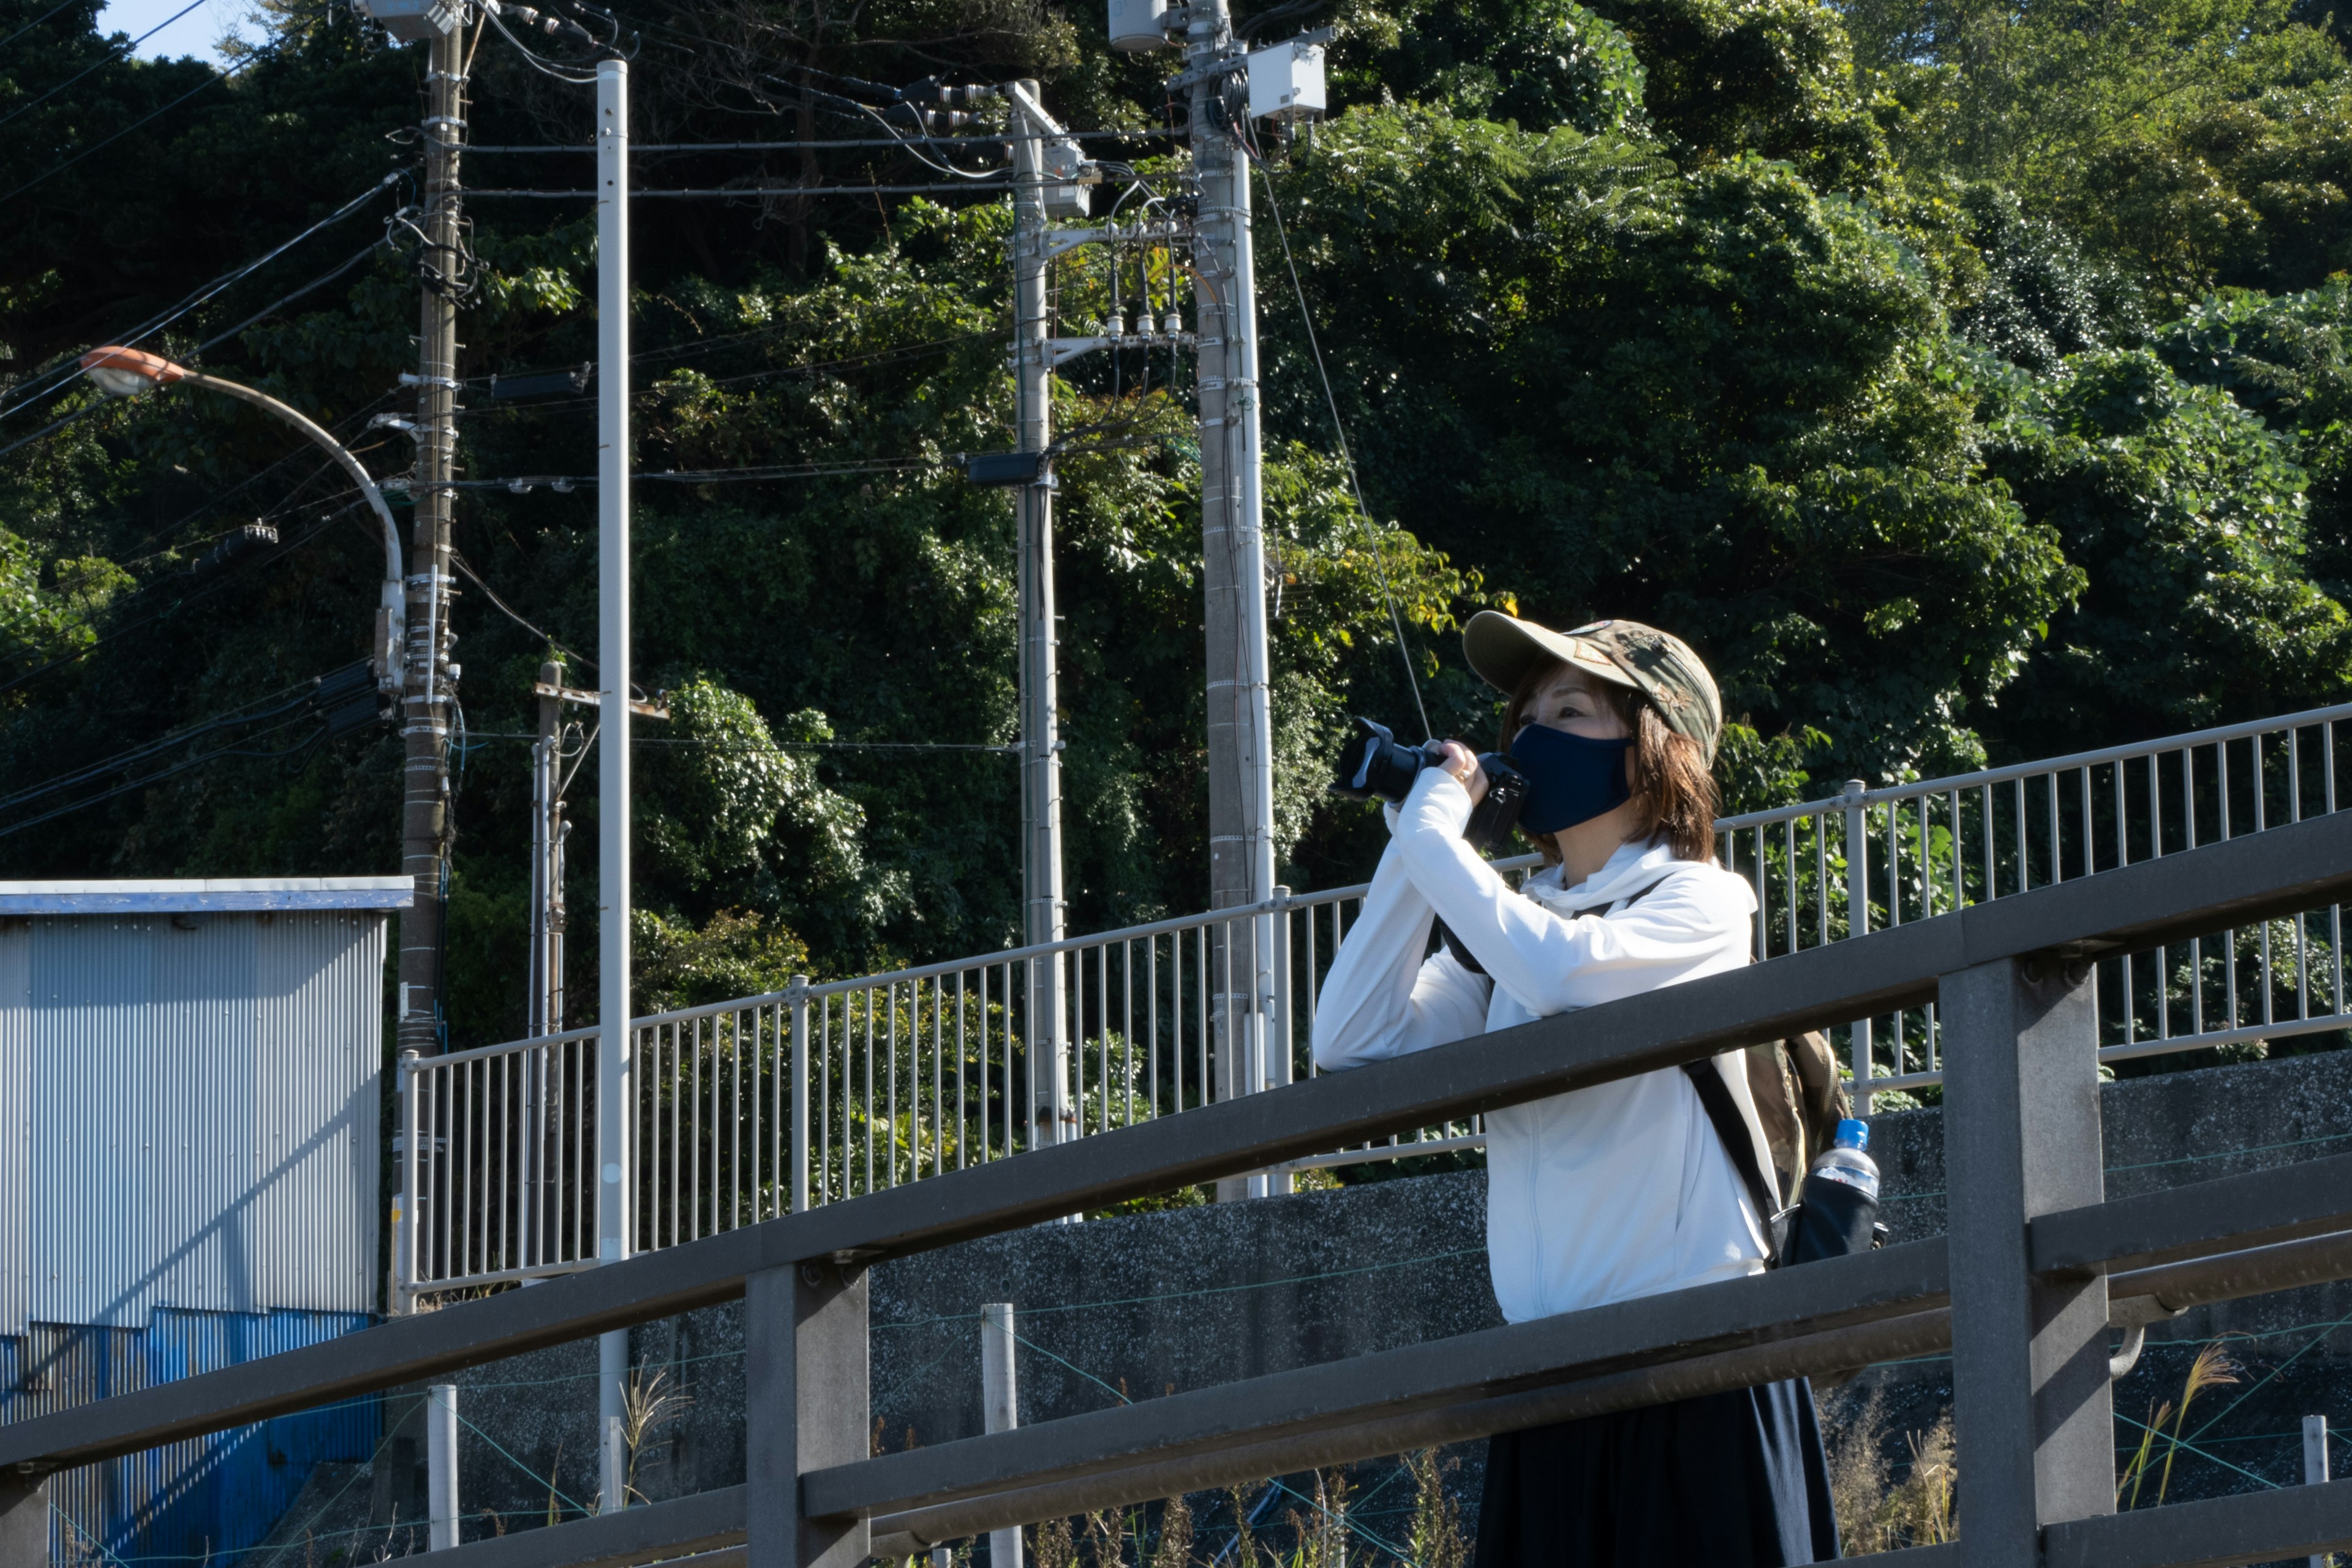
<point>1374,767</point>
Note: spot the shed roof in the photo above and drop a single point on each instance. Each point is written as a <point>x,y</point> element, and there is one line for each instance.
<point>218,894</point>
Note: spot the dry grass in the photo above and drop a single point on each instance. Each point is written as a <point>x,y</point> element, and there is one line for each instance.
<point>1315,1535</point>
<point>1876,1511</point>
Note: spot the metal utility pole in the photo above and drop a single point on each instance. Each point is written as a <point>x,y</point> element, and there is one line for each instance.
<point>1041,746</point>
<point>542,1144</point>
<point>613,1089</point>
<point>548,832</point>
<point>425,697</point>
<point>1240,724</point>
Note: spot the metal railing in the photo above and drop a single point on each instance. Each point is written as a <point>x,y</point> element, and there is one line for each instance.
<point>744,1109</point>
<point>1872,860</point>
<point>2035,1269</point>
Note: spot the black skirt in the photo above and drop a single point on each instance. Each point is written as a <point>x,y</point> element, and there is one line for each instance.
<point>1727,1480</point>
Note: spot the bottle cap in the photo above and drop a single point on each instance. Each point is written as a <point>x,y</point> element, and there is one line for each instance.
<point>1854,1134</point>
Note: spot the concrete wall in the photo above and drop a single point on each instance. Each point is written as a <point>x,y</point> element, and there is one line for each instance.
<point>1142,1305</point>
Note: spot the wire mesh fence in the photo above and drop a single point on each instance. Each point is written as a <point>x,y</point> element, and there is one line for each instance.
<point>747,1109</point>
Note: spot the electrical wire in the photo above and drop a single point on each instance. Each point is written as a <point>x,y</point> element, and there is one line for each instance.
<point>36,22</point>
<point>636,148</point>
<point>71,369</point>
<point>522,484</point>
<point>70,162</point>
<point>546,68</point>
<point>462,565</point>
<point>722,191</point>
<point>285,299</point>
<point>177,604</point>
<point>1379,565</point>
<point>113,52</point>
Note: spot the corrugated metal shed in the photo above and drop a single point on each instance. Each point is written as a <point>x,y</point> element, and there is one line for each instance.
<point>202,1500</point>
<point>189,1097</point>
<point>189,1116</point>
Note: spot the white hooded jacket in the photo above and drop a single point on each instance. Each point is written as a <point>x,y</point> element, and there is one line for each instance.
<point>1598,1194</point>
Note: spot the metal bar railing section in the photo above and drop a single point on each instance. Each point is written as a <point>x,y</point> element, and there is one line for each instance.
<point>759,1106</point>
<point>1872,859</point>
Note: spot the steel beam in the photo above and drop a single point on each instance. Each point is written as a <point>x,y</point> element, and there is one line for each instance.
<point>2030,1384</point>
<point>2220,1532</point>
<point>2302,864</point>
<point>2309,1198</point>
<point>805,1403</point>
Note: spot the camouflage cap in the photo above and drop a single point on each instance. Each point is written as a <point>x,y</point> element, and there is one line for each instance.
<point>1502,648</point>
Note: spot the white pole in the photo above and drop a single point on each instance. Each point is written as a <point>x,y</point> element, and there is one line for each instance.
<point>1047,1037</point>
<point>441,1465</point>
<point>613,1088</point>
<point>999,1408</point>
<point>2315,1468</point>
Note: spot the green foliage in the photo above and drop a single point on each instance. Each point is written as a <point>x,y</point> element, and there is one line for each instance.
<point>1835,339</point>
<point>1534,63</point>
<point>1715,398</point>
<point>2186,517</point>
<point>731,955</point>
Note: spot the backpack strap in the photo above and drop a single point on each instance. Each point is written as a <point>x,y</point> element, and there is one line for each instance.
<point>1713,1096</point>
<point>1731,1131</point>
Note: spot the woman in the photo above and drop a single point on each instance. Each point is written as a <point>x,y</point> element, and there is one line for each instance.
<point>1621,1190</point>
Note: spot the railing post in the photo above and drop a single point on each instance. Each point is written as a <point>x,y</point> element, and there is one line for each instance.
<point>1000,1407</point>
<point>2030,1402</point>
<point>406,1202</point>
<point>441,1466</point>
<point>24,1518</point>
<point>806,1393</point>
<point>800,1071</point>
<point>1275,1009</point>
<point>1857,923</point>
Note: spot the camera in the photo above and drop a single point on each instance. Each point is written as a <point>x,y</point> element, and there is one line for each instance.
<point>1374,765</point>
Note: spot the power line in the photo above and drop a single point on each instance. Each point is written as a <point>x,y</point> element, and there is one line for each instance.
<point>177,604</point>
<point>563,484</point>
<point>127,130</point>
<point>764,191</point>
<point>34,23</point>
<point>72,368</point>
<point>113,52</point>
<point>635,148</point>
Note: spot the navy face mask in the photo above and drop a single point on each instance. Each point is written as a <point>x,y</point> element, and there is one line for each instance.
<point>1571,779</point>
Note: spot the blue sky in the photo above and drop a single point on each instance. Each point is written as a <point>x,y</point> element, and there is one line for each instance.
<point>194,34</point>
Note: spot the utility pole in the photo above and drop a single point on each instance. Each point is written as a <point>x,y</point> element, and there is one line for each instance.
<point>425,697</point>
<point>1047,1039</point>
<point>544,1140</point>
<point>548,832</point>
<point>1232,539</point>
<point>615,1092</point>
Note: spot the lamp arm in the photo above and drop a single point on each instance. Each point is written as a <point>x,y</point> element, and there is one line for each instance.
<point>395,602</point>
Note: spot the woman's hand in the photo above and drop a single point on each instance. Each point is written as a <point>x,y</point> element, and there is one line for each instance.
<point>1462,763</point>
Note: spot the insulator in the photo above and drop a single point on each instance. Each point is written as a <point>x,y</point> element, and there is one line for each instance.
<point>1115,325</point>
<point>1144,326</point>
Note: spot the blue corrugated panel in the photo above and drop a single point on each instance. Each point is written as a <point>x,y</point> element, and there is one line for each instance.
<point>202,1501</point>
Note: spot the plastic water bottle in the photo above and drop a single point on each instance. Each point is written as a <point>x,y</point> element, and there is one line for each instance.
<point>1838,1205</point>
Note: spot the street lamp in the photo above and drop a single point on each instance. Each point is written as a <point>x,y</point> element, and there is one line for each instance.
<point>126,372</point>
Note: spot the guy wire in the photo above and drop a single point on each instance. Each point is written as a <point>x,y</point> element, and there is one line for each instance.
<point>1380,567</point>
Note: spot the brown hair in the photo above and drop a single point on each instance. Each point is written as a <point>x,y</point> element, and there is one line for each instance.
<point>1674,791</point>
